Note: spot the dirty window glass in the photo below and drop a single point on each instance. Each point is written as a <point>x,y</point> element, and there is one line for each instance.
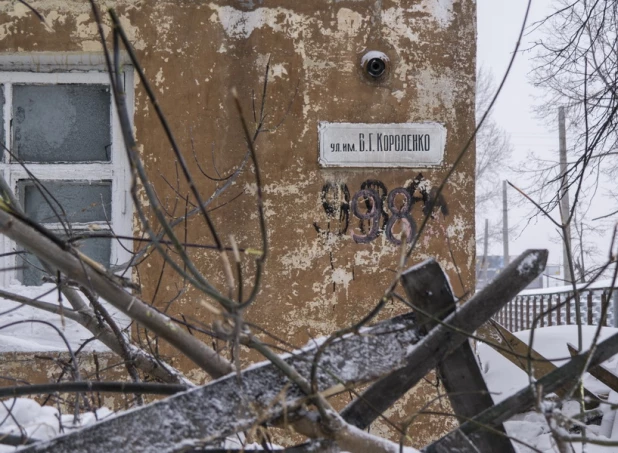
<point>82,201</point>
<point>31,272</point>
<point>61,123</point>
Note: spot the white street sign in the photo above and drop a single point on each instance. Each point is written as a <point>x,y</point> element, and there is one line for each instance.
<point>381,145</point>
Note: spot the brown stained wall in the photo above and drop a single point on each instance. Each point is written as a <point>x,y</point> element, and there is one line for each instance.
<point>195,52</point>
<point>47,367</point>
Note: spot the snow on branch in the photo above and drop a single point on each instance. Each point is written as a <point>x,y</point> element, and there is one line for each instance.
<point>230,404</point>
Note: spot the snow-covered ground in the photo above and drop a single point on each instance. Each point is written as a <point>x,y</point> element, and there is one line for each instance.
<point>504,379</point>
<point>22,416</point>
<point>40,337</point>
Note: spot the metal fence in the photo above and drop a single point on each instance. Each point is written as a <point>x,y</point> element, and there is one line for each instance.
<point>558,308</point>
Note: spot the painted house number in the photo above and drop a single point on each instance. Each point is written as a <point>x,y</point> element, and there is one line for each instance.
<point>377,209</point>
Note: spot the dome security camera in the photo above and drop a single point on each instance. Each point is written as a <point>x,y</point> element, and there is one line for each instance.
<point>375,64</point>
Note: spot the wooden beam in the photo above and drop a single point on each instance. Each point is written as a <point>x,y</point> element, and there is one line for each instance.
<point>529,395</point>
<point>503,340</point>
<point>321,446</point>
<point>446,337</point>
<point>233,404</point>
<point>600,372</point>
<point>262,392</point>
<point>429,291</point>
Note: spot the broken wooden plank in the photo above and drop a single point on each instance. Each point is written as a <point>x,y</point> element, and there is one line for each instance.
<point>429,291</point>
<point>600,372</point>
<point>529,395</point>
<point>317,446</point>
<point>458,442</point>
<point>229,405</point>
<point>501,339</point>
<point>446,337</point>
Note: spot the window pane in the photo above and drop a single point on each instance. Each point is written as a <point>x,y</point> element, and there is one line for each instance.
<point>99,249</point>
<point>61,123</point>
<point>82,201</point>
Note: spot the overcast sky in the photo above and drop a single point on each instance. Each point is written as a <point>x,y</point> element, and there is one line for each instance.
<point>499,22</point>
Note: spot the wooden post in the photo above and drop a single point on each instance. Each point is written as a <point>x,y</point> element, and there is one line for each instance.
<point>542,307</point>
<point>559,312</point>
<point>349,360</point>
<point>511,315</point>
<point>428,289</point>
<point>550,314</point>
<point>527,397</point>
<point>385,392</point>
<point>590,320</point>
<point>568,308</point>
<point>527,312</point>
<point>604,375</point>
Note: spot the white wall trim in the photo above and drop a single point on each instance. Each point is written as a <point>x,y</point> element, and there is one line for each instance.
<point>57,61</point>
<point>116,170</point>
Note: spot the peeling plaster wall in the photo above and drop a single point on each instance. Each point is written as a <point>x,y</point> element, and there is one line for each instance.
<point>316,279</point>
<point>53,367</point>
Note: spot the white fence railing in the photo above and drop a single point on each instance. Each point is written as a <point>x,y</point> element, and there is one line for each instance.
<point>557,306</point>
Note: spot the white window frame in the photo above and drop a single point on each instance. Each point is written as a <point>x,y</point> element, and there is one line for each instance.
<point>71,68</point>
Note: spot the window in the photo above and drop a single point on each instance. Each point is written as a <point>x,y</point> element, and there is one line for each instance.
<point>58,119</point>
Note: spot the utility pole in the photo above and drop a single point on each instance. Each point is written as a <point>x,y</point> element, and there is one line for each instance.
<point>505,226</point>
<point>564,197</point>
